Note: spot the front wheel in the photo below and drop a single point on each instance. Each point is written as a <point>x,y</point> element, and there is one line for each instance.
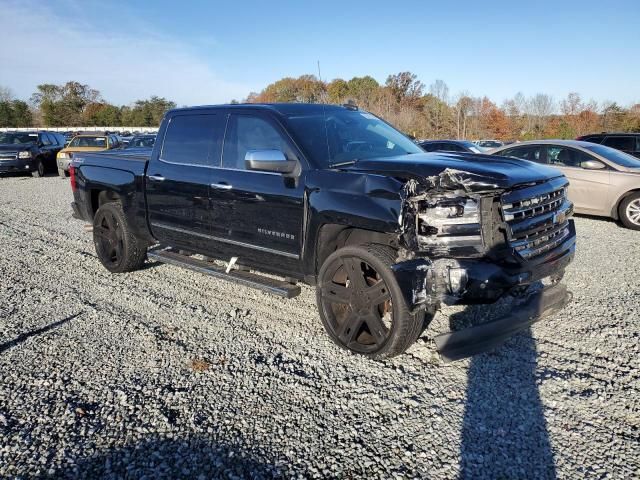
<point>39,170</point>
<point>630,211</point>
<point>116,246</point>
<point>361,305</point>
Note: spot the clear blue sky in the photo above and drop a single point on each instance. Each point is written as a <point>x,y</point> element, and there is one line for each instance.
<point>210,52</point>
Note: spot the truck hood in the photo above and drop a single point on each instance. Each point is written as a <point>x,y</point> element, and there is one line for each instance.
<point>474,172</point>
<point>12,147</point>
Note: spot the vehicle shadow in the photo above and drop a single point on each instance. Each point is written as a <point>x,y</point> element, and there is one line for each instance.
<point>24,336</point>
<point>504,431</point>
<point>188,457</point>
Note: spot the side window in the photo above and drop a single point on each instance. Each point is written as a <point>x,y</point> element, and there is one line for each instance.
<point>249,132</point>
<point>194,139</point>
<point>430,147</point>
<point>531,153</point>
<point>620,143</point>
<point>452,147</point>
<point>44,138</point>
<point>566,157</point>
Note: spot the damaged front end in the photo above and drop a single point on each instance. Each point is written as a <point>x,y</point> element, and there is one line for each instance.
<point>445,217</point>
<point>467,240</point>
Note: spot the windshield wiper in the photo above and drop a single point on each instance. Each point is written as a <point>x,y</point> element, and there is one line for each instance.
<point>342,164</point>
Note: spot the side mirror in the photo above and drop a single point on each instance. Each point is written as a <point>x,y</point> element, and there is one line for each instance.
<point>593,165</point>
<point>269,161</point>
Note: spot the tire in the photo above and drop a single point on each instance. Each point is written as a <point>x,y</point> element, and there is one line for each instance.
<point>117,247</point>
<point>39,170</point>
<point>365,311</point>
<point>629,211</point>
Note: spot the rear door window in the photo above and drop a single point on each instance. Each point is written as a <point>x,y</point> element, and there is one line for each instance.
<point>620,143</point>
<point>194,139</point>
<point>566,157</point>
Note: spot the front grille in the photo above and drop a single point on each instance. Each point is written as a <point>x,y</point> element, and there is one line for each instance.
<point>537,217</point>
<point>8,156</point>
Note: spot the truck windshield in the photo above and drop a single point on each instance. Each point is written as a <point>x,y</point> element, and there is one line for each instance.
<point>347,135</point>
<point>18,138</point>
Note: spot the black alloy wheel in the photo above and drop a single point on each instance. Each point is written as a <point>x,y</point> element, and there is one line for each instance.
<point>361,305</point>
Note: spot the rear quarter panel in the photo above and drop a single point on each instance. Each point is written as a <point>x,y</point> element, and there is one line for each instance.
<point>622,183</point>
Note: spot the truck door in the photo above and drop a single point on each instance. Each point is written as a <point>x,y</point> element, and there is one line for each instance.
<point>178,179</point>
<point>259,215</point>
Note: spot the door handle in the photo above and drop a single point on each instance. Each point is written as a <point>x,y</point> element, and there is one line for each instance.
<point>221,186</point>
<point>157,178</point>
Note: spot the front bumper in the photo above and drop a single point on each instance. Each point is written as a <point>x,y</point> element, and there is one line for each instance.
<point>17,165</point>
<point>425,282</point>
<point>470,341</point>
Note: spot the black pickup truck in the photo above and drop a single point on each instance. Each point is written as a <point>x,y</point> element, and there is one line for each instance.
<point>332,196</point>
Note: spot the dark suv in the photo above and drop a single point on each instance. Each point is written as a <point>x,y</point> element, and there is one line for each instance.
<point>29,152</point>
<point>627,142</point>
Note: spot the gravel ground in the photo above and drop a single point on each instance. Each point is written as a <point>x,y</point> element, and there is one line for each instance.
<point>169,373</point>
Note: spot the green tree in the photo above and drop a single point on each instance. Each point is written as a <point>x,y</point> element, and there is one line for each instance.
<point>146,113</point>
<point>337,90</point>
<point>64,105</point>
<point>15,113</point>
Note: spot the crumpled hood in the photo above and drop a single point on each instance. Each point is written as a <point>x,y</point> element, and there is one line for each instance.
<point>479,172</point>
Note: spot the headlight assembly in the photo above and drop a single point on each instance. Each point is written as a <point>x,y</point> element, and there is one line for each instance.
<point>26,154</point>
<point>449,223</point>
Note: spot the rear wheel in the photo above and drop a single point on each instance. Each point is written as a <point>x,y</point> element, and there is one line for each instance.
<point>39,170</point>
<point>117,248</point>
<point>361,305</point>
<point>630,211</point>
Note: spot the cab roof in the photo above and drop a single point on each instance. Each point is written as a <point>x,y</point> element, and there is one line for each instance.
<point>281,108</point>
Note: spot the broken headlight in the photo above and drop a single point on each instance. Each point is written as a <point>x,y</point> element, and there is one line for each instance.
<point>450,223</point>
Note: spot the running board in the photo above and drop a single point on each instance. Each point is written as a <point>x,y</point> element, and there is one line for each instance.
<point>241,277</point>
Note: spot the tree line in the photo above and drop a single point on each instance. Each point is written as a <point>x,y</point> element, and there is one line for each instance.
<point>403,100</point>
<point>432,112</point>
<point>74,104</point>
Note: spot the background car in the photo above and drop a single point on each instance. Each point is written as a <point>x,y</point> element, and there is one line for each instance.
<point>603,181</point>
<point>85,142</point>
<point>449,146</point>
<point>29,152</point>
<point>486,145</point>
<point>627,142</point>
<point>141,141</point>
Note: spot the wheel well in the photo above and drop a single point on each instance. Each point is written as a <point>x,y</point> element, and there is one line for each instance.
<point>100,197</point>
<point>616,209</point>
<point>332,237</point>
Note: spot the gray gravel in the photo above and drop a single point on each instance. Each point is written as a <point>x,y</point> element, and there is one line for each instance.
<point>168,373</point>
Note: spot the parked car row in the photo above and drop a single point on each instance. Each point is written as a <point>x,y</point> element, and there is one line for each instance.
<point>39,152</point>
